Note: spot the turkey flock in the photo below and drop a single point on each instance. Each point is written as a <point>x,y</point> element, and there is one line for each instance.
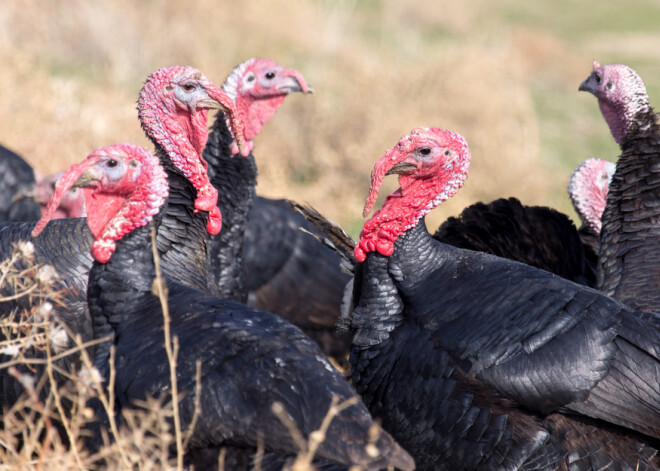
<point>507,339</point>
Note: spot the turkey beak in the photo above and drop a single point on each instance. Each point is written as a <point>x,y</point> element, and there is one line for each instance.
<point>85,180</point>
<point>293,81</point>
<point>210,105</point>
<point>401,168</point>
<point>226,104</point>
<point>211,102</point>
<point>588,85</point>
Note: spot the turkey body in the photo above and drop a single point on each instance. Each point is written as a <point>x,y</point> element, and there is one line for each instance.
<point>292,274</point>
<point>16,178</point>
<point>629,256</point>
<point>628,259</point>
<point>496,331</point>
<point>262,257</point>
<point>249,359</point>
<point>536,235</point>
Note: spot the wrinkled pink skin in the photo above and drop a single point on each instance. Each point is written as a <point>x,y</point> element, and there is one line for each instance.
<point>432,165</point>
<point>258,87</point>
<point>621,96</point>
<point>173,109</point>
<point>588,188</point>
<point>120,197</point>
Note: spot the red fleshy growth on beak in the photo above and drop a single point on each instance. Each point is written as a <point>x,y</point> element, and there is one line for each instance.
<point>377,175</point>
<point>62,186</point>
<point>229,107</point>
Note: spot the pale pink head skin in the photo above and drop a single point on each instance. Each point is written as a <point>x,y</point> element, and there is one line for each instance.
<point>621,96</point>
<point>432,165</point>
<point>72,204</point>
<point>258,87</point>
<point>124,187</point>
<point>588,188</point>
<point>173,109</point>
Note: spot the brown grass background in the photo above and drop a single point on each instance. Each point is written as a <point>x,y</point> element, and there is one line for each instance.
<point>504,74</point>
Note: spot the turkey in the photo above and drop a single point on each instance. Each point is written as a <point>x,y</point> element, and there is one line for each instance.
<point>250,358</point>
<point>588,188</point>
<point>16,177</point>
<point>536,235</point>
<point>629,260</point>
<point>72,204</point>
<point>473,361</point>
<point>173,108</point>
<point>261,256</point>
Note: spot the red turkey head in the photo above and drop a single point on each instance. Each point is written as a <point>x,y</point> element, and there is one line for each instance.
<point>432,165</point>
<point>173,109</point>
<point>621,96</point>
<point>124,187</point>
<point>258,87</point>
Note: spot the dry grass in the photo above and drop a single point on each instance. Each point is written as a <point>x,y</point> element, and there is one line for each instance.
<point>504,74</point>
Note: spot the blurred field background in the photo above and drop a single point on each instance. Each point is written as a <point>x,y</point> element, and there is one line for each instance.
<point>504,74</point>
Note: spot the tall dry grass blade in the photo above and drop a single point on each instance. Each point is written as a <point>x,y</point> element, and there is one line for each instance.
<point>171,348</point>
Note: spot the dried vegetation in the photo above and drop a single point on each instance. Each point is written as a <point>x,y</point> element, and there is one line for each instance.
<point>504,74</point>
<point>47,427</point>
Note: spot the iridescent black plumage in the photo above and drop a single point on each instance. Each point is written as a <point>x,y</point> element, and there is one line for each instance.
<point>263,258</point>
<point>536,235</point>
<point>630,255</point>
<point>472,338</point>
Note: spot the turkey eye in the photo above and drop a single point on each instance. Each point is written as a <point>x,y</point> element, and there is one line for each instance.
<point>189,87</point>
<point>270,75</point>
<point>447,153</point>
<point>425,151</point>
<point>598,79</point>
<point>112,163</point>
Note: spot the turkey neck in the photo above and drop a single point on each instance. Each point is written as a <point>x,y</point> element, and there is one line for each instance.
<point>182,235</point>
<point>117,289</point>
<point>386,283</point>
<point>629,256</point>
<point>235,178</point>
